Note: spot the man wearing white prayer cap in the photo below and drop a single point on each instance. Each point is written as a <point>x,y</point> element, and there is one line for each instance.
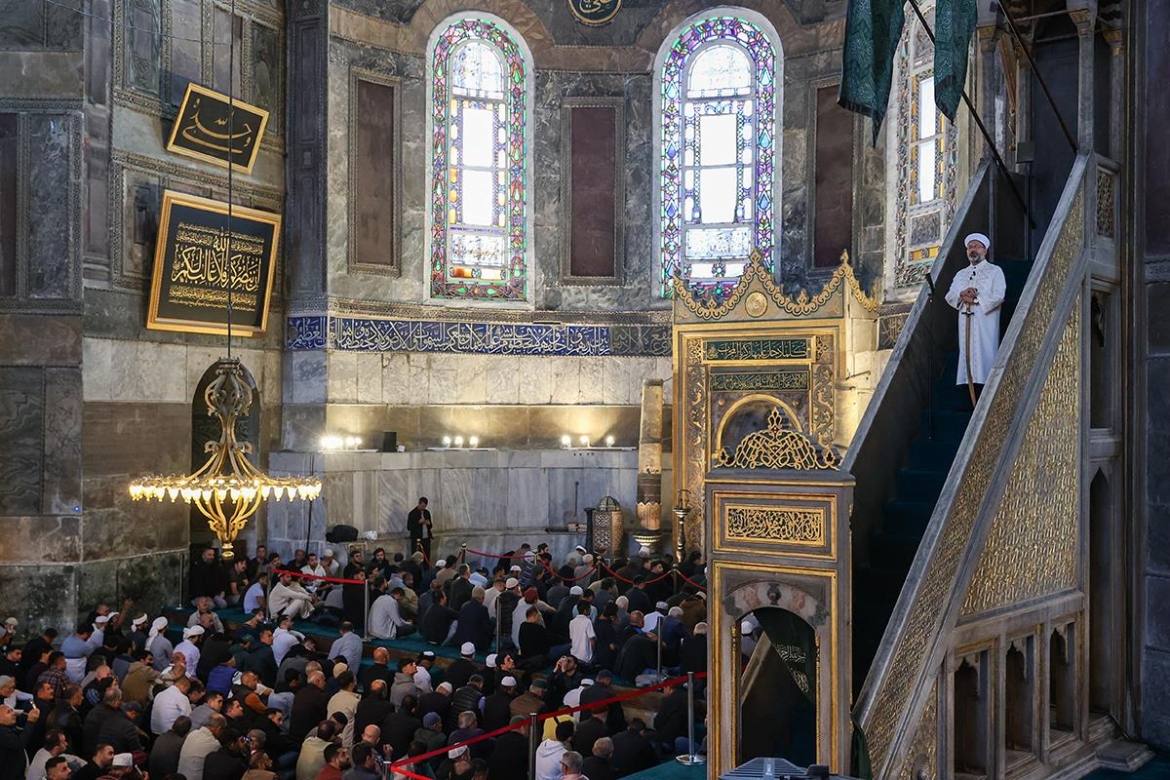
<point>977,292</point>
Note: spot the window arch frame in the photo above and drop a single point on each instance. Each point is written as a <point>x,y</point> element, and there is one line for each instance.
<point>669,230</point>
<point>517,286</point>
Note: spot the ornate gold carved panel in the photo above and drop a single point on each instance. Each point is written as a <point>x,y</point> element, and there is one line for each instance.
<point>922,759</point>
<point>1033,546</point>
<point>783,524</point>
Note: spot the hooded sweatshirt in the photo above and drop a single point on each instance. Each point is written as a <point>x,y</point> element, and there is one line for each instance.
<point>548,759</point>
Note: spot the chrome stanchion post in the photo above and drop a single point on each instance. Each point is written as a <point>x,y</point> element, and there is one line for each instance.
<point>658,637</point>
<point>693,756</point>
<point>532,743</point>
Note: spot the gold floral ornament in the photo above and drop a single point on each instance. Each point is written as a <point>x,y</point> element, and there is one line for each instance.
<point>227,489</point>
<point>778,446</point>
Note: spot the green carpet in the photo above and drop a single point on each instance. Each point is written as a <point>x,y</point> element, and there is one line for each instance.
<point>671,770</point>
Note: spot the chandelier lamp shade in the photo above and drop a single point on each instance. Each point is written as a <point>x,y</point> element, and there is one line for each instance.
<point>227,489</point>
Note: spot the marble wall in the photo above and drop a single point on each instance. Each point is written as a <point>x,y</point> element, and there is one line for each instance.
<point>492,498</point>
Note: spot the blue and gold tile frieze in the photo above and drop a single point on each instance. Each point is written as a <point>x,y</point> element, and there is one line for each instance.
<point>369,334</point>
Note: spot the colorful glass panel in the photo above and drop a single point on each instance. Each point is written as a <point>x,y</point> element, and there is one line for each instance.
<point>717,160</point>
<point>479,238</point>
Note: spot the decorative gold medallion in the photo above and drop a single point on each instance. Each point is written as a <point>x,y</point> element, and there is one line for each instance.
<point>594,12</point>
<point>756,304</point>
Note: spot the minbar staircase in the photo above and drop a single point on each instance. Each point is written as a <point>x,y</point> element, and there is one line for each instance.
<point>918,483</point>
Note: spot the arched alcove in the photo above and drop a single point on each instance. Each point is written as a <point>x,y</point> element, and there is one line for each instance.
<point>778,707</point>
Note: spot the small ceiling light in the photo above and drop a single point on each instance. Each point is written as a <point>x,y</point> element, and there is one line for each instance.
<point>473,442</point>
<point>458,441</point>
<point>584,441</point>
<point>566,441</point>
<point>330,443</point>
<point>446,441</point>
<point>609,440</point>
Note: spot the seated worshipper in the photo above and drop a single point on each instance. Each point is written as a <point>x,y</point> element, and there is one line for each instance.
<point>313,567</point>
<point>565,677</point>
<point>353,597</point>
<point>510,756</point>
<point>386,620</point>
<point>404,682</point>
<point>438,621</point>
<point>237,582</point>
<point>207,579</point>
<point>460,670</point>
<point>346,702</point>
<point>348,646</point>
<point>670,723</point>
<point>399,726</point>
<point>254,596</point>
<point>536,642</point>
<point>497,708</point>
<point>599,766</point>
<point>203,606</point>
<point>550,752</point>
<point>189,647</point>
<point>230,761</point>
<point>310,705</point>
<point>431,732</point>
<point>373,708</point>
<point>590,728</point>
<point>505,609</point>
<point>55,744</point>
<point>261,658</point>
<point>290,598</point>
<point>467,728</point>
<point>157,643</point>
<point>212,704</point>
<point>312,756</point>
<point>573,696</point>
<point>140,678</point>
<point>474,623</point>
<point>284,638</point>
<point>607,645</point>
<point>977,292</point>
<point>164,755</point>
<point>461,587</point>
<point>170,704</point>
<point>468,698</point>
<point>77,649</point>
<point>422,674</point>
<point>693,654</point>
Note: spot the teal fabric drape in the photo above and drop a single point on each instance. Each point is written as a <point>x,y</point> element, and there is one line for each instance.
<point>872,31</point>
<point>954,24</point>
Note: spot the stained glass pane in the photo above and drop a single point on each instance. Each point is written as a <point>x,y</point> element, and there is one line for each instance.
<point>477,249</point>
<point>926,172</point>
<point>718,139</point>
<point>477,70</point>
<point>717,195</point>
<point>927,116</point>
<point>720,70</point>
<point>705,243</point>
<point>478,135</point>
<point>477,197</point>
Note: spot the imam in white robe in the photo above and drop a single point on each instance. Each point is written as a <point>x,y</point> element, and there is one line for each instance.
<point>988,280</point>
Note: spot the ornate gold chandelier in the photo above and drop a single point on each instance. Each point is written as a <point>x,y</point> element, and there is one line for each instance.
<point>227,489</point>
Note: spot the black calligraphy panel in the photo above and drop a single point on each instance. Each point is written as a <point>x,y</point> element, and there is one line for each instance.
<point>212,129</point>
<point>206,262</point>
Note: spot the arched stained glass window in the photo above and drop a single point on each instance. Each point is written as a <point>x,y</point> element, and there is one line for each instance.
<point>925,155</point>
<point>719,86</point>
<point>479,97</point>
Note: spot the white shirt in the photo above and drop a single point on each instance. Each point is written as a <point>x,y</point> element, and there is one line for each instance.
<point>385,617</point>
<point>252,597</point>
<point>168,706</point>
<point>283,595</point>
<point>422,678</point>
<point>191,652</point>
<point>581,636</point>
<point>349,647</point>
<point>283,640</point>
<point>983,320</point>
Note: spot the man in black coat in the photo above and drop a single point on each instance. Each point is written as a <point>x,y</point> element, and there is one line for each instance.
<point>589,730</point>
<point>121,731</point>
<point>460,671</point>
<point>509,759</point>
<point>373,708</point>
<point>671,721</point>
<point>229,762</point>
<point>164,756</point>
<point>632,752</point>
<point>497,711</point>
<point>13,741</point>
<point>207,579</point>
<point>420,528</point>
<point>475,624</point>
<point>399,726</point>
<point>309,707</point>
<point>615,718</point>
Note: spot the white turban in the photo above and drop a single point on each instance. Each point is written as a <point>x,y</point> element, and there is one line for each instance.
<point>982,239</point>
<point>192,631</point>
<point>157,627</point>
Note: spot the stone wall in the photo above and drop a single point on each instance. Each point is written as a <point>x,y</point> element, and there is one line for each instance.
<point>488,499</point>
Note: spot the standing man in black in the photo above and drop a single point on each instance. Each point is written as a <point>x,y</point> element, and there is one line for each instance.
<point>418,525</point>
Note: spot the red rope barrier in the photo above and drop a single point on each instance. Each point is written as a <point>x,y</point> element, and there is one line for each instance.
<point>659,578</point>
<point>541,562</point>
<point>396,766</point>
<point>302,575</point>
<point>689,580</point>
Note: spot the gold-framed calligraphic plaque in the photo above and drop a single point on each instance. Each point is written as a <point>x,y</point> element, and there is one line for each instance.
<point>594,12</point>
<point>193,276</point>
<point>211,128</point>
